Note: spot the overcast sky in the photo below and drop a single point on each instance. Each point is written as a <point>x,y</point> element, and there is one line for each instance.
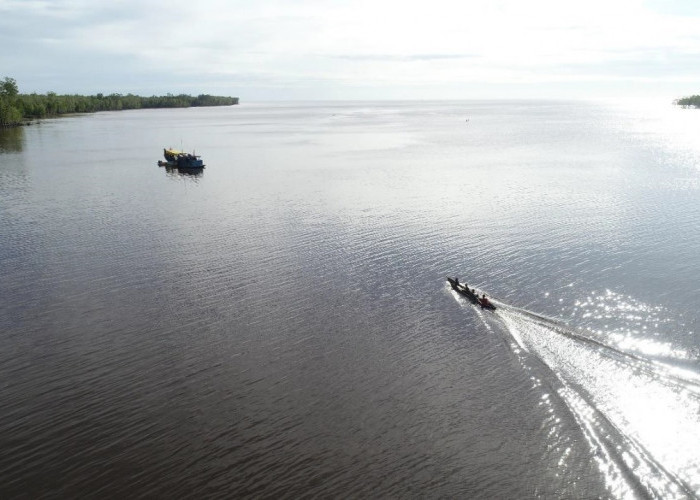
<point>354,49</point>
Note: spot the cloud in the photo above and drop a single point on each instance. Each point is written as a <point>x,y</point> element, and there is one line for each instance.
<point>408,57</point>
<point>321,48</point>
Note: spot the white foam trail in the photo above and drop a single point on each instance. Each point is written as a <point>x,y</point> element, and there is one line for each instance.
<point>641,419</point>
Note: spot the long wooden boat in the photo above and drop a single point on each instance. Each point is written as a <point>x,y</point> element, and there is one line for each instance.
<point>472,296</point>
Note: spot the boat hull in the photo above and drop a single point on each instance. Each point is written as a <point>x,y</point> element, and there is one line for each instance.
<point>181,166</point>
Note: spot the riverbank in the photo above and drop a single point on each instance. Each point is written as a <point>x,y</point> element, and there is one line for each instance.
<point>20,109</point>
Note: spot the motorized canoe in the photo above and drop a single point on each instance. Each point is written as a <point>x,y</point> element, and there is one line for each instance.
<point>473,297</point>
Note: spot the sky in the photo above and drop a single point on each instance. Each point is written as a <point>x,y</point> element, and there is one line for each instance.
<point>262,50</point>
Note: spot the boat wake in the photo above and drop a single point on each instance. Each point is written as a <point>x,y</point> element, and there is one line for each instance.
<point>640,417</point>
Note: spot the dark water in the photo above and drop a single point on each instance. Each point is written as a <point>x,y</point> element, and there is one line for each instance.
<point>279,325</point>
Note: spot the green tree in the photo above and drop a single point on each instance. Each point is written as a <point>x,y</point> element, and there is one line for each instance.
<point>8,87</point>
<point>9,114</point>
<point>689,102</point>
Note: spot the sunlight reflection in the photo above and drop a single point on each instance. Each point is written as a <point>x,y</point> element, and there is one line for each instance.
<point>635,321</point>
<point>637,415</point>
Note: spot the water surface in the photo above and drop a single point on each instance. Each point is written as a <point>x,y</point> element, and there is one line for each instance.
<point>279,324</point>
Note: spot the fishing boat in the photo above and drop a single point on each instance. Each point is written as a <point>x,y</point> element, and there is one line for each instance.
<point>180,159</point>
<point>473,297</point>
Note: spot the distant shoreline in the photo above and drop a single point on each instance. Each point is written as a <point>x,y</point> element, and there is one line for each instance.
<point>21,109</point>
<point>692,101</point>
<point>24,109</point>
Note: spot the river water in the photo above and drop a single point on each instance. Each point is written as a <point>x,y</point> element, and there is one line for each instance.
<point>279,324</point>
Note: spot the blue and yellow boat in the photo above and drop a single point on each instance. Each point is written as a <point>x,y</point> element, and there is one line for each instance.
<point>180,159</point>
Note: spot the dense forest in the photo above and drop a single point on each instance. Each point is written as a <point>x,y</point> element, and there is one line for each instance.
<point>16,108</point>
<point>689,102</point>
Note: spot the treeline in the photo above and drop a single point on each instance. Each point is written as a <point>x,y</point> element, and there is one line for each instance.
<point>15,108</point>
<point>689,102</point>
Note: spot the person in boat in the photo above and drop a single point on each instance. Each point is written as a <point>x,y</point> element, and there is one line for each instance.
<point>484,301</point>
<point>474,292</point>
<point>456,281</point>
